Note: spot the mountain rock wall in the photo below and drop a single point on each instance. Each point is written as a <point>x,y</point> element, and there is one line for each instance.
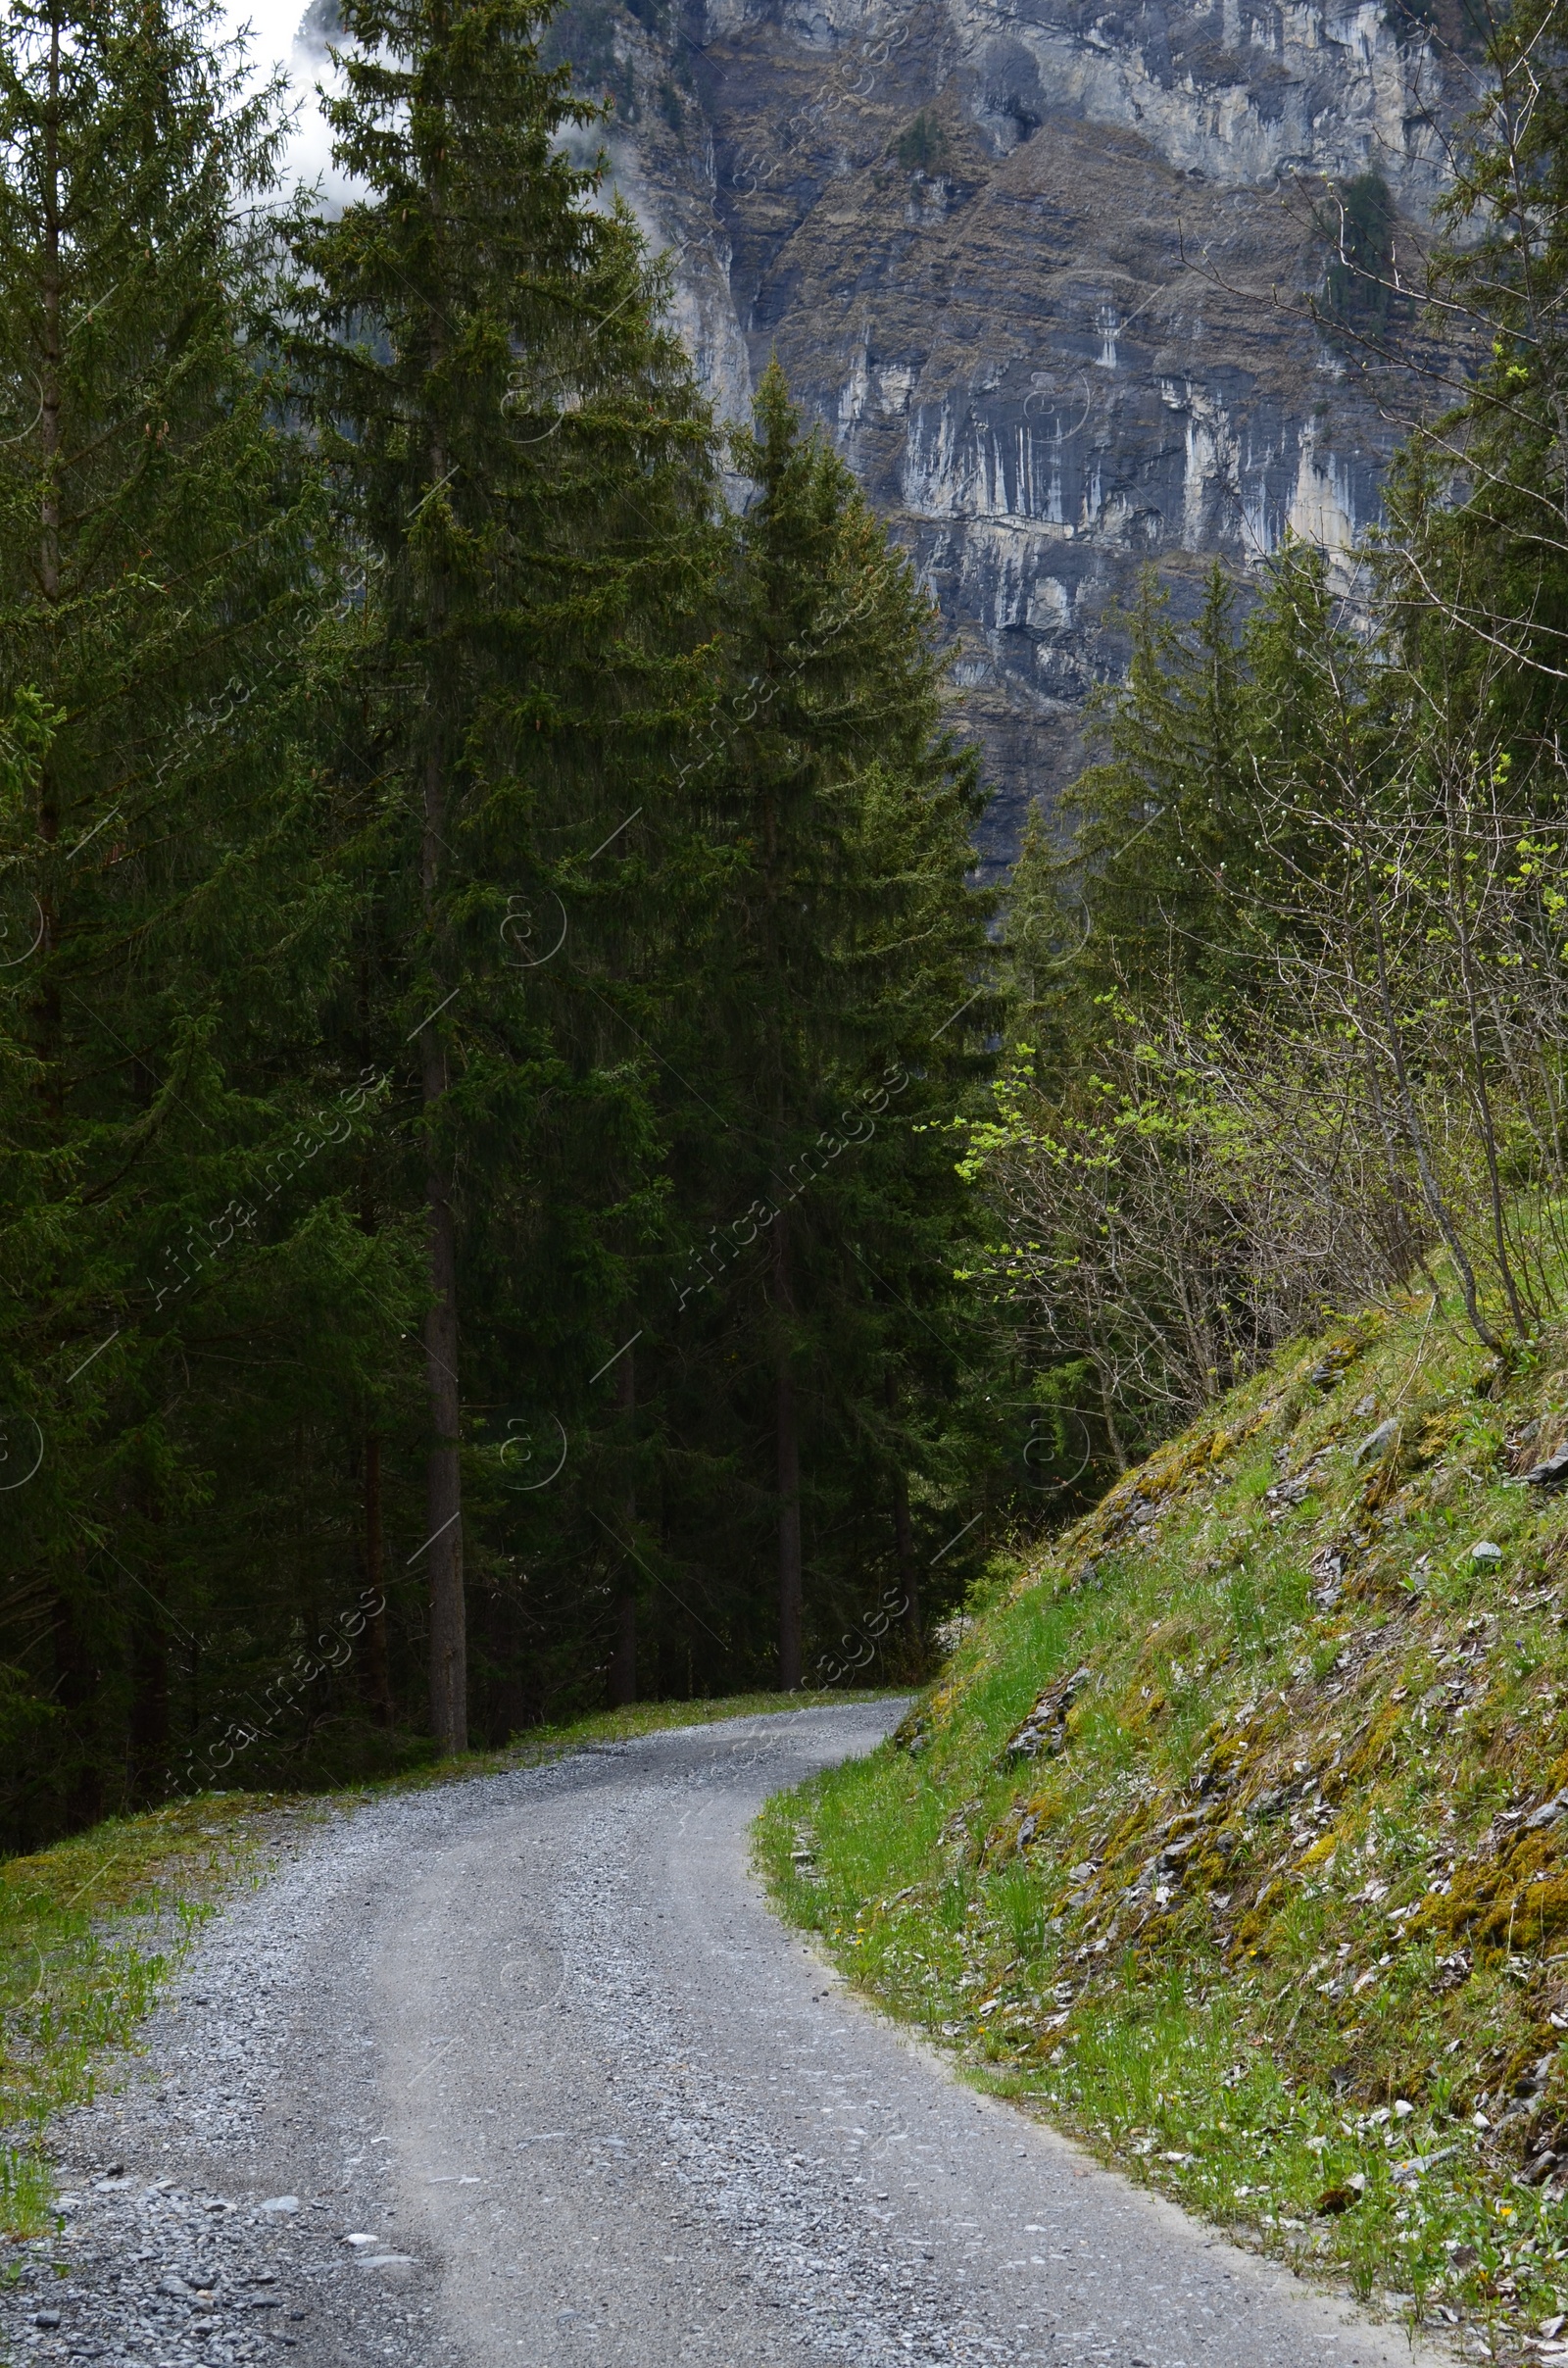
<point>1037,268</point>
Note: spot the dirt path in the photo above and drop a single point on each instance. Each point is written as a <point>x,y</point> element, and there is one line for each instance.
<point>538,2041</point>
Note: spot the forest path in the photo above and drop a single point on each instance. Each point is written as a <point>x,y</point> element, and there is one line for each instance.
<point>524,2070</point>
<point>640,2124</point>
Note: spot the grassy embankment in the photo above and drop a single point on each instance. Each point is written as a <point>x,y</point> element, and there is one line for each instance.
<point>91,1929</point>
<point>1270,1903</point>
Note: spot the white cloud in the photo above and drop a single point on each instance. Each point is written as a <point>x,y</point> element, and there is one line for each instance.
<point>272,29</point>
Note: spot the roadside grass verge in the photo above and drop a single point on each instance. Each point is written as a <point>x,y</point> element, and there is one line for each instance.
<point>91,1929</point>
<point>1235,1837</point>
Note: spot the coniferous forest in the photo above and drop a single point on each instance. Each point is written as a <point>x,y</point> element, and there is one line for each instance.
<point>487,970</point>
<point>530,1175</point>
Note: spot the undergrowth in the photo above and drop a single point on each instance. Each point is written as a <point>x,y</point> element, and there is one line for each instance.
<point>1232,1840</point>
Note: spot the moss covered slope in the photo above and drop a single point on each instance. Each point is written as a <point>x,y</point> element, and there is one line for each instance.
<point>1232,1838</point>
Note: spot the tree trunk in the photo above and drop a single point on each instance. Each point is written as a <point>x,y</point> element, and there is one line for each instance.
<point>449,1676</point>
<point>1437,1207</point>
<point>377,1666</point>
<point>789,1531</point>
<point>1460,894</point>
<point>623,1662</point>
<point>51,381</point>
<point>149,1704</point>
<point>909,1574</point>
<point>904,1533</point>
<point>449,1647</point>
<point>79,1686</point>
<point>50,409</point>
<point>377,1670</point>
<point>790,1591</point>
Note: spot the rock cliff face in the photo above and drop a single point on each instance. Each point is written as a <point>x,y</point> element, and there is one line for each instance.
<point>1038,268</point>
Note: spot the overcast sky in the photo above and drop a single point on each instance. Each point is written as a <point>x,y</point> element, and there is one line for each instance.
<point>273,25</point>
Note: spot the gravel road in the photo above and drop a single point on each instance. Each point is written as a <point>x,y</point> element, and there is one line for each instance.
<point>524,2070</point>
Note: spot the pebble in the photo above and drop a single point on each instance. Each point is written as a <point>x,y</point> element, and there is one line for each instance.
<point>199,2222</point>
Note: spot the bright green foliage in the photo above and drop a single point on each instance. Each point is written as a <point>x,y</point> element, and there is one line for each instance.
<point>1212,1844</point>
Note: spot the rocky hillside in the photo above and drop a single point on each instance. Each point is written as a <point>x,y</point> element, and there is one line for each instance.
<point>1236,1837</point>
<point>1039,271</point>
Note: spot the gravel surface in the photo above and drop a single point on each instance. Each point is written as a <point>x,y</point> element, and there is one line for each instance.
<point>524,2070</point>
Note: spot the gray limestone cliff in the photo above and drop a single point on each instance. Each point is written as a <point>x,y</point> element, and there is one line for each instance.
<point>1038,268</point>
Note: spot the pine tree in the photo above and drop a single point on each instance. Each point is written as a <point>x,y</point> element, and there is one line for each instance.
<point>1182,850</point>
<point>162,580</point>
<point>846,973</point>
<point>1156,822</point>
<point>525,457</point>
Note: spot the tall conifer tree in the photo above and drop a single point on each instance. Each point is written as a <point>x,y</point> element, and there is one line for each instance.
<point>525,455</point>
<point>846,940</point>
<point>160,573</point>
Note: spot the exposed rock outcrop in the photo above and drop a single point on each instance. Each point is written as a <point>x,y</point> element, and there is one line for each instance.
<point>1039,271</point>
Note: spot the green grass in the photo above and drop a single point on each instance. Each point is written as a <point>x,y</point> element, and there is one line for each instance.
<point>1344,1959</point>
<point>91,1929</point>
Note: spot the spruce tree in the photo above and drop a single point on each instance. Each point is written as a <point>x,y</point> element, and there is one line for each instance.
<point>1156,824</point>
<point>522,452</point>
<point>1187,841</point>
<point>1476,575</point>
<point>847,975</point>
<point>163,578</point>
